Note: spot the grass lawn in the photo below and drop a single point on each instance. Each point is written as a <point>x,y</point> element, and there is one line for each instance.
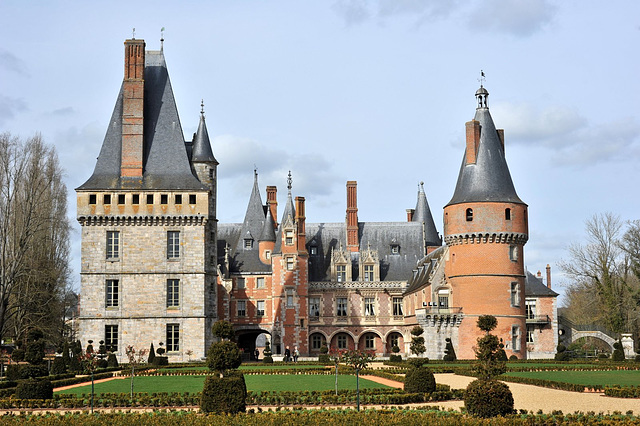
<point>253,366</point>
<point>587,378</point>
<point>255,383</point>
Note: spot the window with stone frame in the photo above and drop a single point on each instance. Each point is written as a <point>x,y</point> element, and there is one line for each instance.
<point>260,311</point>
<point>288,237</point>
<point>317,341</point>
<point>341,273</point>
<point>314,307</point>
<point>173,293</point>
<point>240,283</point>
<point>515,294</point>
<point>290,263</point>
<point>530,335</point>
<point>513,253</point>
<point>173,244</point>
<point>369,306</point>
<point>515,338</point>
<point>531,308</point>
<point>394,340</point>
<point>113,245</point>
<point>398,307</point>
<point>341,307</point>
<point>92,199</point>
<point>248,243</point>
<point>341,340</point>
<point>260,282</point>
<point>173,337</point>
<point>111,337</point>
<point>112,294</point>
<point>369,341</point>
<point>368,273</point>
<point>241,308</point>
<point>289,293</point>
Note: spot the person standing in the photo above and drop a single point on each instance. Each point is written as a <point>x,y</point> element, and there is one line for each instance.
<point>296,354</point>
<point>257,354</point>
<point>287,354</point>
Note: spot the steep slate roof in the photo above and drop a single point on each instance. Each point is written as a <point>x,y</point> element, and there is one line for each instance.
<point>422,273</point>
<point>535,287</point>
<point>163,140</point>
<point>489,179</point>
<point>423,215</point>
<point>201,151</point>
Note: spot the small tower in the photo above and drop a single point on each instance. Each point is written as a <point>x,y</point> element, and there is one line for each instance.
<point>485,229</point>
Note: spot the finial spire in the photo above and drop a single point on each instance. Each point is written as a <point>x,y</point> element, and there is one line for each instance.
<point>133,34</point>
<point>289,181</point>
<point>482,78</point>
<point>202,107</point>
<point>162,39</point>
<point>255,171</point>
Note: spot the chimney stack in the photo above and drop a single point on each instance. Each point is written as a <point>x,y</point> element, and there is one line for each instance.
<point>352,216</point>
<point>300,218</point>
<point>548,276</point>
<point>410,213</point>
<point>473,140</point>
<point>133,109</point>
<point>272,203</point>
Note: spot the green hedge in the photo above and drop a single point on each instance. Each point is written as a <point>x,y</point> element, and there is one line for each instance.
<point>622,391</point>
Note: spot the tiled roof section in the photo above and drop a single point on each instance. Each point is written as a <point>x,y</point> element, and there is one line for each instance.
<point>254,218</point>
<point>165,162</point>
<point>422,272</point>
<point>380,236</point>
<point>489,178</point>
<point>242,261</point>
<point>201,150</point>
<point>289,212</point>
<point>535,287</point>
<point>268,230</point>
<point>423,215</point>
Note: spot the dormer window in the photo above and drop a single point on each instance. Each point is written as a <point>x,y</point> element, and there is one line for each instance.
<point>395,249</point>
<point>469,215</point>
<point>341,273</point>
<point>288,237</point>
<point>248,243</point>
<point>368,273</point>
<point>313,251</point>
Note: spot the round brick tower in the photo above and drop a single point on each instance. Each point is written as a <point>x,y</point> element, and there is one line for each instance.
<point>485,229</point>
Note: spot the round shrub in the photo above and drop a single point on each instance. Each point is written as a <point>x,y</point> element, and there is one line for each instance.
<point>35,352</point>
<point>618,352</point>
<point>34,389</point>
<point>419,380</point>
<point>513,358</point>
<point>488,398</point>
<point>224,355</point>
<point>417,362</point>
<point>17,355</point>
<point>58,366</point>
<point>224,394</point>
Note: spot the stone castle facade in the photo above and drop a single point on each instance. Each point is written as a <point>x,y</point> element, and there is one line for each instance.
<point>158,267</point>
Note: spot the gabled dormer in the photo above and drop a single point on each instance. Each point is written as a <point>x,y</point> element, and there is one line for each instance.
<point>341,265</point>
<point>369,265</point>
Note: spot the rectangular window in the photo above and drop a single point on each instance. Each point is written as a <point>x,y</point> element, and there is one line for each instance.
<point>121,198</point>
<point>288,240</point>
<point>173,293</point>
<point>242,308</point>
<point>192,198</point>
<point>314,307</point>
<point>290,264</point>
<point>342,341</point>
<point>164,199</point>
<point>369,342</point>
<point>313,250</point>
<point>106,199</point>
<point>443,302</point>
<point>112,293</point>
<point>92,198</point>
<point>369,303</point>
<point>178,199</point>
<point>515,294</point>
<point>368,272</point>
<point>149,198</point>
<point>530,335</point>
<point>113,245</point>
<point>260,282</point>
<point>240,285</point>
<point>173,337</point>
<point>341,273</point>
<point>290,298</point>
<point>260,308</point>
<point>515,338</point>
<point>111,337</point>
<point>173,244</point>
<point>341,304</point>
<point>513,253</point>
<point>317,340</point>
<point>248,243</point>
<point>135,199</point>
<point>397,307</point>
<point>395,249</point>
<point>531,308</point>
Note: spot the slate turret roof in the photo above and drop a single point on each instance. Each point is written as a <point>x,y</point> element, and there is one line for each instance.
<point>201,151</point>
<point>423,215</point>
<point>489,178</point>
<point>164,142</point>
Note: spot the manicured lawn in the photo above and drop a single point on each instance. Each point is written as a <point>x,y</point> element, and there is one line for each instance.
<point>254,383</point>
<point>254,366</point>
<point>587,378</point>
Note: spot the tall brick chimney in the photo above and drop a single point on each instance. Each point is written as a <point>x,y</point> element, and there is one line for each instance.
<point>272,203</point>
<point>133,109</point>
<point>410,213</point>
<point>352,216</point>
<point>548,276</point>
<point>473,140</point>
<point>300,218</point>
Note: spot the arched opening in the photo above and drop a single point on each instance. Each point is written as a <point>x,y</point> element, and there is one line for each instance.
<point>250,340</point>
<point>316,341</point>
<point>370,342</point>
<point>394,339</point>
<point>342,341</point>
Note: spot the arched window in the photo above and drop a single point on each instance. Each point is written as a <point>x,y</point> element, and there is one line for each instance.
<point>469,215</point>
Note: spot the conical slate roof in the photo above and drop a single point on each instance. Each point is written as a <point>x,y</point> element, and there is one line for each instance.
<point>268,230</point>
<point>254,218</point>
<point>165,161</point>
<point>201,151</point>
<point>423,215</point>
<point>488,180</point>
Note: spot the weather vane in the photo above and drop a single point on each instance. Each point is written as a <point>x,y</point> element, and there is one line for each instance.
<point>133,36</point>
<point>481,79</point>
<point>289,181</point>
<point>255,170</point>
<point>162,38</point>
<point>202,107</point>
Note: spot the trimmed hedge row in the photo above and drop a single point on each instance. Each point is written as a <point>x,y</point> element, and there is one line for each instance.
<point>303,371</point>
<point>622,391</point>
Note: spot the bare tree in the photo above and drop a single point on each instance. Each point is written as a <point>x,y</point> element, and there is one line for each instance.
<point>599,270</point>
<point>34,238</point>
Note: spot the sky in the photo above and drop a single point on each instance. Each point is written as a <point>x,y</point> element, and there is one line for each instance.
<point>374,91</point>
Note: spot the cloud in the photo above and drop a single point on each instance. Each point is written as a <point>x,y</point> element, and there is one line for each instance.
<point>9,107</point>
<point>574,140</point>
<point>359,11</point>
<point>10,62</point>
<point>62,112</point>
<point>517,17</point>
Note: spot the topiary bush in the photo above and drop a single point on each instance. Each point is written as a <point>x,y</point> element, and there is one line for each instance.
<point>18,372</point>
<point>152,355</point>
<point>224,394</point>
<point>513,358</point>
<point>34,389</point>
<point>17,355</point>
<point>561,353</point>
<point>418,362</point>
<point>449,352</point>
<point>618,352</point>
<point>35,352</point>
<point>395,358</point>
<point>58,366</point>
<point>224,356</point>
<point>160,361</point>
<point>488,398</point>
<point>267,359</point>
<point>112,361</point>
<point>419,380</point>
